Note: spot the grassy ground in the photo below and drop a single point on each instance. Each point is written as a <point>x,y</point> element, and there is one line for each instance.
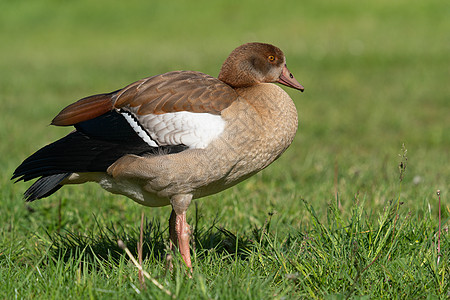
<point>330,219</point>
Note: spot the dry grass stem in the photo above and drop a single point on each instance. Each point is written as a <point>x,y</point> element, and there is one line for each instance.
<point>140,246</point>
<point>136,263</point>
<point>438,192</point>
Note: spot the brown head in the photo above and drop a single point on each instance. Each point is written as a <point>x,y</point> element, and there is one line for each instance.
<point>255,63</point>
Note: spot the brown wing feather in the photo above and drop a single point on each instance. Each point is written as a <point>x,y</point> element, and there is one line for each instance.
<point>84,109</point>
<point>177,91</point>
<point>165,93</point>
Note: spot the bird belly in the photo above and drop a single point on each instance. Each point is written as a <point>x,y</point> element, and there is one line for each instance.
<point>132,190</point>
<point>128,187</point>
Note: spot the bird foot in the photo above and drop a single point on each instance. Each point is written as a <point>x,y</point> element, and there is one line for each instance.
<point>179,236</point>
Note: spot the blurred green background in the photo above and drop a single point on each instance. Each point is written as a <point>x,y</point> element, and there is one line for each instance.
<point>376,75</point>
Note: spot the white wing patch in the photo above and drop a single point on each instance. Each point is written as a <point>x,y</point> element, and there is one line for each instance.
<point>195,130</point>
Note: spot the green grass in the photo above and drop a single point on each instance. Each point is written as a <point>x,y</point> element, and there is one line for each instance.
<point>376,76</point>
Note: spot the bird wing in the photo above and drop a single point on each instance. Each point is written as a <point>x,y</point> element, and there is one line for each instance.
<point>175,108</point>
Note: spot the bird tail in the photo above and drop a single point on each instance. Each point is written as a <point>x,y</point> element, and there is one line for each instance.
<point>74,153</point>
<point>55,162</point>
<point>94,146</point>
<point>44,186</point>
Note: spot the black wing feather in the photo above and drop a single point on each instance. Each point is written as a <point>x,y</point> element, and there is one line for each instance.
<point>93,147</point>
<point>76,152</point>
<point>112,127</point>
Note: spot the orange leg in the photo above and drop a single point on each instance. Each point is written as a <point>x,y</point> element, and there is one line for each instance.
<point>179,236</point>
<point>178,227</point>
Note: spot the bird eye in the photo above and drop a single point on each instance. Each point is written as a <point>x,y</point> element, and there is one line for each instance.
<point>271,57</point>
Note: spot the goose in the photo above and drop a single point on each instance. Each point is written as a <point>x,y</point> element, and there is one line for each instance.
<point>174,137</point>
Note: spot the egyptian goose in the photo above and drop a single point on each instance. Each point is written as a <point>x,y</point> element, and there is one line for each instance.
<point>174,137</point>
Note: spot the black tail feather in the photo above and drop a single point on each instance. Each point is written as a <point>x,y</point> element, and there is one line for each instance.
<point>75,152</point>
<point>44,186</point>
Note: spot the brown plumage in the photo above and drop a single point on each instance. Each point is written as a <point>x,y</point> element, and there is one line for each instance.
<point>174,137</point>
<point>170,92</point>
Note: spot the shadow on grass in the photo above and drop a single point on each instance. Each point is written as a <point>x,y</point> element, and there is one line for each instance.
<point>103,244</point>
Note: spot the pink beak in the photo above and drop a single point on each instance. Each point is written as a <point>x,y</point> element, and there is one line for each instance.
<point>287,79</point>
